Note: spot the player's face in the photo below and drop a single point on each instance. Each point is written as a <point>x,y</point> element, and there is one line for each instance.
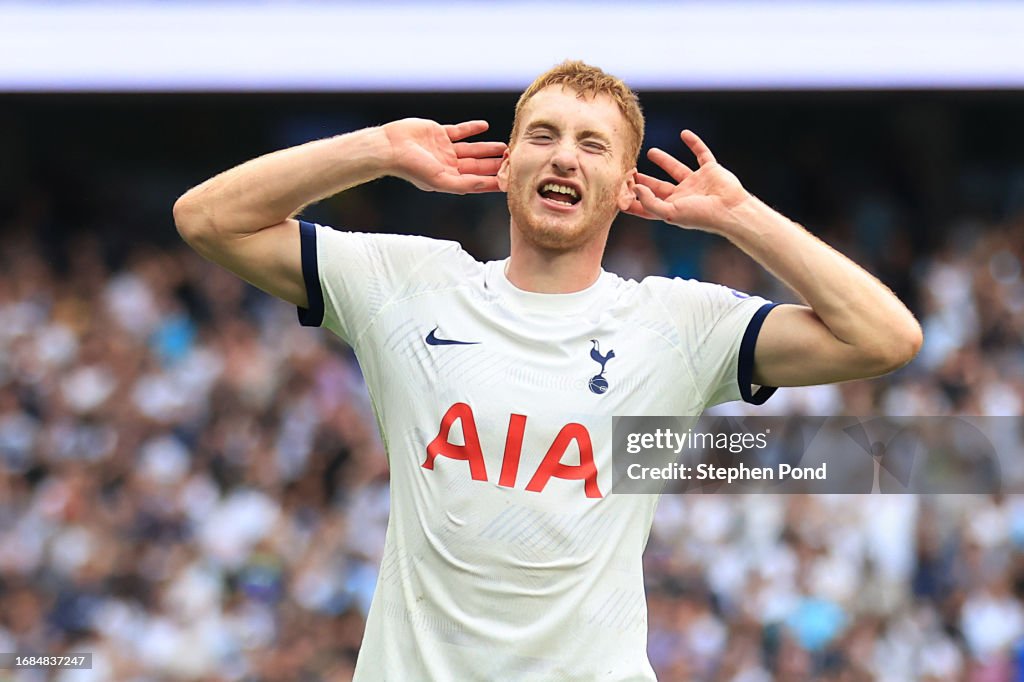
<point>566,174</point>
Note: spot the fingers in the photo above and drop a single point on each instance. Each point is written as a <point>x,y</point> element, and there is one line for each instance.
<point>660,188</point>
<point>488,166</point>
<point>670,164</point>
<point>637,209</point>
<point>678,170</point>
<point>479,150</point>
<point>651,205</point>
<point>697,146</point>
<point>460,131</point>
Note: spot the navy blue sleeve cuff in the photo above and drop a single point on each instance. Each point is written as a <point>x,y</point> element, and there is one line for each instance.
<point>746,361</point>
<point>313,314</point>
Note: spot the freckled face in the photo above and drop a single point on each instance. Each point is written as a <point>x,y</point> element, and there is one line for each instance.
<point>566,175</point>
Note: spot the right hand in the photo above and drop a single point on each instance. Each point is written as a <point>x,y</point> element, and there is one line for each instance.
<point>433,157</point>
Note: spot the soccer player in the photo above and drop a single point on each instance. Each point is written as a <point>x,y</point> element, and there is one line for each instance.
<point>494,383</point>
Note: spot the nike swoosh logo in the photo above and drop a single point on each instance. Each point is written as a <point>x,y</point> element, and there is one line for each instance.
<point>434,341</point>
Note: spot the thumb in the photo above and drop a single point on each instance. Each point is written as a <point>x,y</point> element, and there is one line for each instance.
<point>455,183</point>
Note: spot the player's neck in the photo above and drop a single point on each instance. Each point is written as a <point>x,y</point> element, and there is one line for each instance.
<point>544,271</point>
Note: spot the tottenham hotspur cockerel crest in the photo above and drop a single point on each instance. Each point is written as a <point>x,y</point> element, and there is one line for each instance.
<point>598,384</point>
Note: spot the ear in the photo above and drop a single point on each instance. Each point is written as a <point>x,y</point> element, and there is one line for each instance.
<point>503,171</point>
<point>627,194</point>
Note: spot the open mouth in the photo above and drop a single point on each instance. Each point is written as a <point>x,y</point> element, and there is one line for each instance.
<point>563,194</point>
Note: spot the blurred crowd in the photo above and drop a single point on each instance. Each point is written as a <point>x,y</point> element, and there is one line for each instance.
<point>192,486</point>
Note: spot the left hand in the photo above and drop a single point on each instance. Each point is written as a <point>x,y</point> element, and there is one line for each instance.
<point>702,199</point>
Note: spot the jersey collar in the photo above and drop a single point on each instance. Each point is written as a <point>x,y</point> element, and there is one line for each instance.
<point>556,304</point>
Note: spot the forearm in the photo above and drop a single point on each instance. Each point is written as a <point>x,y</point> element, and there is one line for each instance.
<point>272,188</point>
<point>855,306</point>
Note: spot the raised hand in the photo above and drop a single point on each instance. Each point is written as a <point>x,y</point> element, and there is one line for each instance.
<point>434,158</point>
<point>701,198</point>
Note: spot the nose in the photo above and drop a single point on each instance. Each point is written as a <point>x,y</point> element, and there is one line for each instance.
<point>565,159</point>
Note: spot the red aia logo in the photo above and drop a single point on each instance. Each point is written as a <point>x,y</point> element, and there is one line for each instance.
<point>550,467</point>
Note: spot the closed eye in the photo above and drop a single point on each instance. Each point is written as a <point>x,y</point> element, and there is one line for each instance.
<point>594,146</point>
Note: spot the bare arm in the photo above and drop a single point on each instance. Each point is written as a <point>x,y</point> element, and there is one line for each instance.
<point>243,220</point>
<point>852,327</point>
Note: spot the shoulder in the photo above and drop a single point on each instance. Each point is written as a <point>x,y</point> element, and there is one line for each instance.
<point>683,302</point>
<point>386,240</point>
<point>675,290</point>
<point>406,251</point>
<point>693,292</point>
<point>679,286</point>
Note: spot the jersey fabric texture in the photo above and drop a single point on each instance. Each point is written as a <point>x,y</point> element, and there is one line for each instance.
<point>506,556</point>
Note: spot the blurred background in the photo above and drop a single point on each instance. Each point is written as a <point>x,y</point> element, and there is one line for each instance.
<point>192,486</point>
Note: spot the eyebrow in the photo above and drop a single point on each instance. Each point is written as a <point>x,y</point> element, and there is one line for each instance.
<point>548,125</point>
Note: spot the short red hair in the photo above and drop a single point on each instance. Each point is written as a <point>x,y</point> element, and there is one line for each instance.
<point>590,81</point>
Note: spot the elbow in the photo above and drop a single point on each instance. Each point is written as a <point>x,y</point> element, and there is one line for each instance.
<point>191,220</point>
<point>897,348</point>
<point>906,344</point>
<point>915,339</point>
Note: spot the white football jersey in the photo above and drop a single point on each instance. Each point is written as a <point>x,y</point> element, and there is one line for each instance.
<point>507,557</point>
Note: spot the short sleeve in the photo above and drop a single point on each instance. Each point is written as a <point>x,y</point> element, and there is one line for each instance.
<point>718,329</point>
<point>351,276</point>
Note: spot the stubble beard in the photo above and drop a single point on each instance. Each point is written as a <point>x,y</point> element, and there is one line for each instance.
<point>556,233</point>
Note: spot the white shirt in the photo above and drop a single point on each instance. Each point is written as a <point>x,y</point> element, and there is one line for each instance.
<point>507,557</point>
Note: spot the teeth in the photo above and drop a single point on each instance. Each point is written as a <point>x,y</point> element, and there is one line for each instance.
<point>561,189</point>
